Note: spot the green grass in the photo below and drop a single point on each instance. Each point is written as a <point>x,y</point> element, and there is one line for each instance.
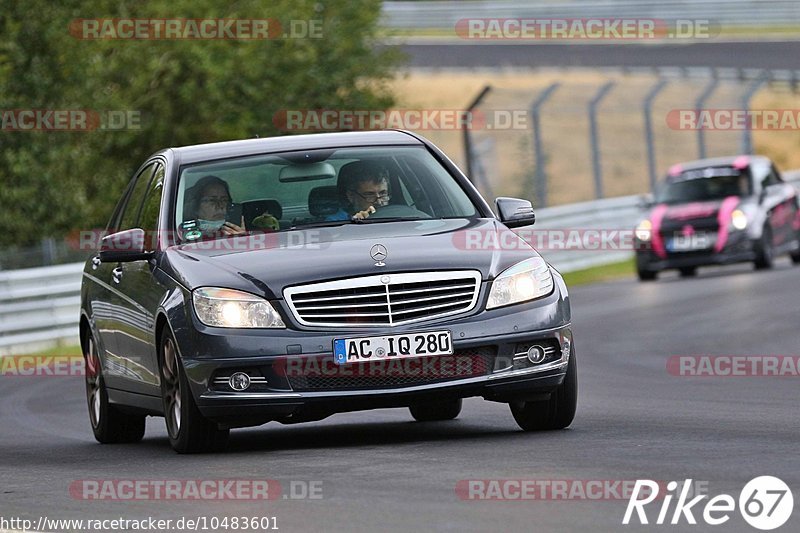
<point>62,350</point>
<point>623,269</point>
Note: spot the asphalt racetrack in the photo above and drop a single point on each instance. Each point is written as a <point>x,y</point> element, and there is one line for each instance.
<point>380,470</point>
<point>747,55</point>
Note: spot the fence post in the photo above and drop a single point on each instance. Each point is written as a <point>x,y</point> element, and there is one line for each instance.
<point>647,109</point>
<point>596,162</point>
<point>540,175</point>
<point>747,140</point>
<point>699,105</point>
<point>468,153</point>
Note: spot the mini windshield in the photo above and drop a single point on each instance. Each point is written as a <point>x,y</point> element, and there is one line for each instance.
<point>704,185</point>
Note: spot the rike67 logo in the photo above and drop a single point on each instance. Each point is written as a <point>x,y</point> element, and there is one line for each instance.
<point>765,503</point>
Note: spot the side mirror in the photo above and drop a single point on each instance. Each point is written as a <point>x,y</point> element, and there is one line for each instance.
<point>123,247</point>
<point>646,201</point>
<point>515,212</point>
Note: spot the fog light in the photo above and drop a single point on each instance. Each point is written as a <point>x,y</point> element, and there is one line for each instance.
<point>536,354</point>
<point>565,348</point>
<point>239,381</point>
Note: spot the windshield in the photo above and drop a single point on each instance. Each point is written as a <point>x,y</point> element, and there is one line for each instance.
<point>704,185</point>
<point>279,192</point>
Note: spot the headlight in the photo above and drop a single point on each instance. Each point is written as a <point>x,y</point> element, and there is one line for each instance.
<point>738,219</point>
<point>527,280</point>
<point>227,308</point>
<point>644,230</point>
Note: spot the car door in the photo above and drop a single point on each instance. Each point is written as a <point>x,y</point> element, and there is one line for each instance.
<point>121,370</point>
<point>141,294</point>
<point>99,293</point>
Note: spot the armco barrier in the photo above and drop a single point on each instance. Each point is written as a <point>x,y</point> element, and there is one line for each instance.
<point>39,306</point>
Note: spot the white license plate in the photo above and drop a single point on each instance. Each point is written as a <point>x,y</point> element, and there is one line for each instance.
<point>699,241</point>
<point>364,349</point>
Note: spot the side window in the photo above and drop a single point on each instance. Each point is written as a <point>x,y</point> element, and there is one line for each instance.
<point>130,214</point>
<point>769,179</point>
<point>148,220</point>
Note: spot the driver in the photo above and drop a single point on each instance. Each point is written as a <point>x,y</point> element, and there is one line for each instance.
<point>366,189</point>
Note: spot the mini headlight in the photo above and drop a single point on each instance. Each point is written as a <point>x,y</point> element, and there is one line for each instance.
<point>525,281</point>
<point>227,308</point>
<point>739,219</point>
<point>644,230</point>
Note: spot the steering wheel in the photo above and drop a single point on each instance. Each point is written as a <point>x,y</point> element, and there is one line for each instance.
<point>398,211</point>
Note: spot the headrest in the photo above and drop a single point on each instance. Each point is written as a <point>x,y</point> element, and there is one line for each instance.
<point>323,201</point>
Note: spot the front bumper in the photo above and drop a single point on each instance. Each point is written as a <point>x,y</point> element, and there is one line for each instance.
<point>296,380</point>
<point>738,249</point>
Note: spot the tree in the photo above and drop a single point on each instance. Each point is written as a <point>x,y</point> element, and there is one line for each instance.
<point>183,91</point>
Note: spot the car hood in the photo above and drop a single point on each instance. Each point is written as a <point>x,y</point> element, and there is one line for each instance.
<point>266,264</point>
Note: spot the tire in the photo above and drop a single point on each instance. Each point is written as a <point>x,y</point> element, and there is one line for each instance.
<point>796,254</point>
<point>109,424</point>
<point>688,272</point>
<point>646,275</point>
<point>431,412</point>
<point>556,413</point>
<point>764,253</point>
<point>188,430</point>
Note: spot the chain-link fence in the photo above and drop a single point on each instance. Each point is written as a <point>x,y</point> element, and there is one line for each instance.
<point>603,135</point>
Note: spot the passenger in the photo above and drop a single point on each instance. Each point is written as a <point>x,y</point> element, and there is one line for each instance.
<point>207,203</point>
<point>365,186</point>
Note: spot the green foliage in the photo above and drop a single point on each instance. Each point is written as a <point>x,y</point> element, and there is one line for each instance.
<point>185,91</point>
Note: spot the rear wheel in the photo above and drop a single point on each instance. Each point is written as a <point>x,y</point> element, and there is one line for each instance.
<point>109,424</point>
<point>796,254</point>
<point>764,252</point>
<point>688,272</point>
<point>557,412</point>
<point>188,430</point>
<point>429,412</point>
<point>646,275</point>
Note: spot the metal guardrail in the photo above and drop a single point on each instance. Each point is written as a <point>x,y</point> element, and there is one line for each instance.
<point>444,14</point>
<point>39,306</point>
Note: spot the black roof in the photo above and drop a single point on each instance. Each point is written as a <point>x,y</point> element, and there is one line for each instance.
<point>287,143</point>
<point>726,161</point>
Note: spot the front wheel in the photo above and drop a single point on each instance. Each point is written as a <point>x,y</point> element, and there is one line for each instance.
<point>764,251</point>
<point>557,412</point>
<point>189,431</point>
<point>430,412</point>
<point>109,424</point>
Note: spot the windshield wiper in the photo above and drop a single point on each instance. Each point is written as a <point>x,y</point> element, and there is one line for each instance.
<point>384,219</point>
<point>322,224</point>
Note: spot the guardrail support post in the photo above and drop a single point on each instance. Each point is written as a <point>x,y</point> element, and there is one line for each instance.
<point>647,109</point>
<point>468,153</point>
<point>540,174</point>
<point>747,134</point>
<point>596,159</point>
<point>699,105</point>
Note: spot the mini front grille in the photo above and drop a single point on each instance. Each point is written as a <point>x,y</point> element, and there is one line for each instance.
<point>384,300</point>
<point>408,372</point>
